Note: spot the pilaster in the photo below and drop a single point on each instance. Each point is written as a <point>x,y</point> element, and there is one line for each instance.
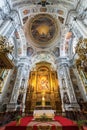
<point>69,101</point>
<point>20,87</point>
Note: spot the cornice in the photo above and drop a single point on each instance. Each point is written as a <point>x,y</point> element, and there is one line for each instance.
<point>15,3</point>
<point>64,61</point>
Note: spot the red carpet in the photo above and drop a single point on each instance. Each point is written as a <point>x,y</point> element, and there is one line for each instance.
<point>84,128</point>
<point>2,128</point>
<point>25,121</point>
<point>64,121</point>
<point>23,124</point>
<point>65,124</point>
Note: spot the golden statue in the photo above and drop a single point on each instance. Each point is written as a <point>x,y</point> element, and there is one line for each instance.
<point>81,61</point>
<point>5,46</point>
<point>81,51</point>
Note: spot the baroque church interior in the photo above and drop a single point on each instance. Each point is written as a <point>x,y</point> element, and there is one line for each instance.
<point>43,56</point>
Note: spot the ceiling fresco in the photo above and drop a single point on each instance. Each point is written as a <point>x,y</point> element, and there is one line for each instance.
<point>30,51</point>
<point>42,30</point>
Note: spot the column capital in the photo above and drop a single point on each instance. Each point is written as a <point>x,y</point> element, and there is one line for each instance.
<point>62,61</point>
<point>24,61</point>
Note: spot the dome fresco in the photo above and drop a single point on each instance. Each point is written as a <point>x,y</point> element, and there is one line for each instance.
<point>42,30</point>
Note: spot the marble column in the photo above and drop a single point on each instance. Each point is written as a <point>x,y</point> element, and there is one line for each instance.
<point>69,101</point>
<point>13,101</point>
<point>72,97</point>
<point>26,78</point>
<point>60,77</point>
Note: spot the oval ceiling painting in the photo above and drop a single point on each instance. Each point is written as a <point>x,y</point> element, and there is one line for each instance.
<point>42,29</point>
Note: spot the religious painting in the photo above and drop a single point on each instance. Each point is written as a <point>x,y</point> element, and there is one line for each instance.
<point>68,37</point>
<point>43,83</point>
<point>43,28</point>
<point>29,51</point>
<point>56,51</point>
<point>25,19</point>
<point>61,19</point>
<point>60,12</point>
<point>25,12</point>
<point>43,9</point>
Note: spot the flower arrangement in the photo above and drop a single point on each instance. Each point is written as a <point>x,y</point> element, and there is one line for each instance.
<point>80,123</point>
<point>43,117</point>
<point>18,120</point>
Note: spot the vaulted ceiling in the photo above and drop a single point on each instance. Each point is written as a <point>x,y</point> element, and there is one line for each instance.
<point>44,25</point>
<point>45,28</point>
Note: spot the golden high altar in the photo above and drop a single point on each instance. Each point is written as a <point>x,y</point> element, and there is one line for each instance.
<point>43,88</point>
